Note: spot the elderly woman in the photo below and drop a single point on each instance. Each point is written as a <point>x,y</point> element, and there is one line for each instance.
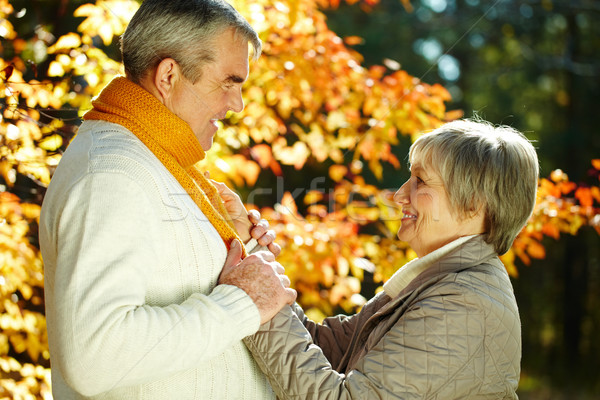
<point>446,325</point>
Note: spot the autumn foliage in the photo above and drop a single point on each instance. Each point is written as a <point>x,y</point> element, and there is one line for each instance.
<point>311,108</point>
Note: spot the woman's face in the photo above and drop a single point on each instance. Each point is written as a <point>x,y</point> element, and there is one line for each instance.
<point>428,220</point>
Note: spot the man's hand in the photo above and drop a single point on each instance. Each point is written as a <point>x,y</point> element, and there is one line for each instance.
<point>261,277</point>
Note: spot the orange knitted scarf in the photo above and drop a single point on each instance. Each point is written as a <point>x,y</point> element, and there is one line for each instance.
<point>170,139</point>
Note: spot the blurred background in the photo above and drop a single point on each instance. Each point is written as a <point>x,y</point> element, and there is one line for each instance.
<point>332,106</point>
<point>534,65</point>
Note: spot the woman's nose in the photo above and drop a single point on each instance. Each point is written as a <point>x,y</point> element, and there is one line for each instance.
<point>402,195</point>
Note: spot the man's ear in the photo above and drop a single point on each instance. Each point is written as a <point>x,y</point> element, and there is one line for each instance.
<point>167,73</point>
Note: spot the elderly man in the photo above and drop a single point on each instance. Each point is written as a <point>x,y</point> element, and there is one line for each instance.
<point>149,290</point>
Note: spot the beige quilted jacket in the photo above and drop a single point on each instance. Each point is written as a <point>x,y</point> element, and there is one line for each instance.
<point>451,332</point>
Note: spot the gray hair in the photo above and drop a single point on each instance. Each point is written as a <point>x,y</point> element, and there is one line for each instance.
<point>182,30</point>
<point>484,166</point>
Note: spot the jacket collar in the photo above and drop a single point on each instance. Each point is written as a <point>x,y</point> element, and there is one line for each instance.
<point>462,253</point>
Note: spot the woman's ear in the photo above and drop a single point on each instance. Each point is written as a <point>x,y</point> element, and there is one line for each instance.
<point>477,215</point>
<point>167,73</point>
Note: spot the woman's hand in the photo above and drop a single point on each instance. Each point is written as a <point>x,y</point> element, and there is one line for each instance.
<point>248,224</point>
<point>261,232</point>
<point>235,208</point>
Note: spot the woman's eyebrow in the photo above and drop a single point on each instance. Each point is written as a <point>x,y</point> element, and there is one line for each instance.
<point>419,170</point>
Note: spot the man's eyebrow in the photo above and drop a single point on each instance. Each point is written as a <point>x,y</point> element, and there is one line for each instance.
<point>234,79</point>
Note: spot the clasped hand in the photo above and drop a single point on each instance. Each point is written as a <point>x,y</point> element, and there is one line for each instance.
<point>261,277</point>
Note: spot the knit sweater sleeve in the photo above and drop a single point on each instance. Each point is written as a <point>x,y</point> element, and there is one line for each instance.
<point>105,334</point>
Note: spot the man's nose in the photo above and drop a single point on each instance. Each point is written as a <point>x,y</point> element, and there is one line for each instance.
<point>237,103</point>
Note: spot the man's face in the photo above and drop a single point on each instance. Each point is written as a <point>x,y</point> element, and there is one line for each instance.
<point>218,90</point>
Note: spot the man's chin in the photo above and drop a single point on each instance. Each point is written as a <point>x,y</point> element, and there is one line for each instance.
<point>206,141</point>
<point>206,146</point>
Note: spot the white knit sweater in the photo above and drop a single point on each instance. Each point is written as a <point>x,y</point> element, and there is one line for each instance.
<point>131,268</point>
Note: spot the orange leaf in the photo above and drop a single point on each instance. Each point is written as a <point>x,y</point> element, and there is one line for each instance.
<point>596,193</point>
<point>596,163</point>
<point>337,172</point>
<point>8,72</point>
<point>536,250</point>
<point>547,188</point>
<point>584,195</point>
<point>353,40</point>
<point>453,114</point>
<point>262,154</point>
<point>250,172</point>
<point>288,203</point>
<point>566,187</point>
<point>549,229</point>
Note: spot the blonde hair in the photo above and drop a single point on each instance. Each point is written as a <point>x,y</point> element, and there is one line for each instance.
<point>481,165</point>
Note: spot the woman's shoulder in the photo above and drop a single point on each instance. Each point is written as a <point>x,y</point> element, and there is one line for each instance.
<point>483,290</point>
<point>488,276</point>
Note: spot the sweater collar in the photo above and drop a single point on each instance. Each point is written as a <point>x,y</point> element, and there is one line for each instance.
<point>464,251</point>
<point>134,105</point>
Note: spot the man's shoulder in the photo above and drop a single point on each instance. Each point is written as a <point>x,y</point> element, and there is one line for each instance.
<point>108,147</point>
<point>107,138</point>
<point>105,148</point>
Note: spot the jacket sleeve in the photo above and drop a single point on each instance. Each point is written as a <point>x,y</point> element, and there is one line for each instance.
<point>433,350</point>
<point>335,333</point>
<point>105,334</point>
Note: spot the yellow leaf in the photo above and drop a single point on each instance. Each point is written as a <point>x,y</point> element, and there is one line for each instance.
<point>315,314</point>
<point>508,259</point>
<point>85,10</point>
<point>30,210</point>
<point>558,175</point>
<point>6,29</point>
<point>56,69</point>
<point>7,172</point>
<point>313,196</point>
<point>51,143</point>
<point>69,41</point>
<point>106,33</point>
